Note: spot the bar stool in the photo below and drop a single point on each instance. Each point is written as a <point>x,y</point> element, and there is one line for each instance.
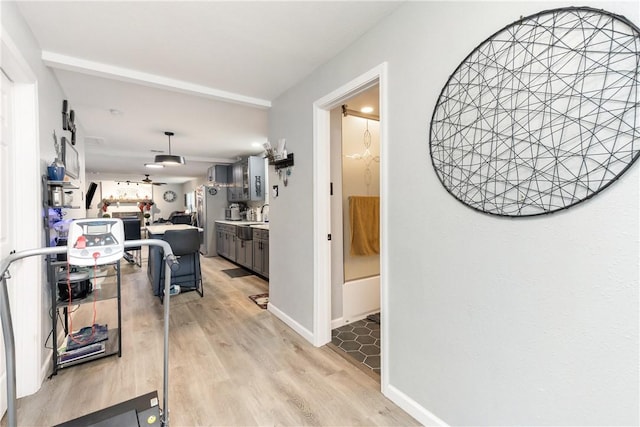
<point>132,232</point>
<point>185,245</point>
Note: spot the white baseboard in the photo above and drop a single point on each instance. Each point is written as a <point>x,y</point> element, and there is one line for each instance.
<point>336,323</point>
<point>341,321</point>
<point>411,407</point>
<point>3,394</point>
<point>3,386</point>
<point>306,334</point>
<point>45,369</point>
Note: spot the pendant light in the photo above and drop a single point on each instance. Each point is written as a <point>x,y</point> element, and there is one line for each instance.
<point>169,159</point>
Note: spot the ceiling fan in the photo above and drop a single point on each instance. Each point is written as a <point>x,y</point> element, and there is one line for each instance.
<point>148,180</point>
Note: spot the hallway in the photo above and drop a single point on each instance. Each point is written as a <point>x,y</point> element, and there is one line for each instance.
<point>231,363</point>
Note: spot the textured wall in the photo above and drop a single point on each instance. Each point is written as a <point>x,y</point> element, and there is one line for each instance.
<point>493,321</point>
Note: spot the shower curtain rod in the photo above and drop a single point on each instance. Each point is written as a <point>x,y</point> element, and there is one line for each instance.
<point>347,112</point>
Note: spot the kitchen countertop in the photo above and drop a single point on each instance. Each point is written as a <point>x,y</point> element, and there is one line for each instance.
<point>161,228</point>
<point>253,224</point>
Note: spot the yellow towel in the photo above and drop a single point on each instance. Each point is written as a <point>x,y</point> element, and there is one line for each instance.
<point>364,217</point>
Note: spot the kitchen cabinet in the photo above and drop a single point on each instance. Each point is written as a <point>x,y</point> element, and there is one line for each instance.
<point>261,252</point>
<point>232,239</point>
<point>247,180</point>
<point>251,251</point>
<point>220,174</point>
<point>220,239</point>
<point>244,253</point>
<point>227,241</point>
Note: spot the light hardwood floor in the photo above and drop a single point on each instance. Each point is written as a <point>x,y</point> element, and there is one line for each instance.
<point>231,364</point>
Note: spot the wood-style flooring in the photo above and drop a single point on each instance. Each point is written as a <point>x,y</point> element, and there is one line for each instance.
<point>231,364</point>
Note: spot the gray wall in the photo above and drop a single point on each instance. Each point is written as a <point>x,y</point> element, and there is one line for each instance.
<point>492,321</point>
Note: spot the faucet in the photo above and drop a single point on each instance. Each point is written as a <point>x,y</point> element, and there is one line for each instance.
<point>265,218</point>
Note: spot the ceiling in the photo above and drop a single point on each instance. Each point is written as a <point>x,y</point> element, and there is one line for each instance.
<point>206,71</point>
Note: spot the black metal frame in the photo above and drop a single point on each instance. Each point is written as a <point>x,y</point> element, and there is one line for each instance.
<point>517,132</point>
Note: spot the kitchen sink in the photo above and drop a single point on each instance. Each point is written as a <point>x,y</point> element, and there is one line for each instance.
<point>244,232</point>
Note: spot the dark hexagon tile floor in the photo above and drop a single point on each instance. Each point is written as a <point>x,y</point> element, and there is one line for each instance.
<point>361,341</point>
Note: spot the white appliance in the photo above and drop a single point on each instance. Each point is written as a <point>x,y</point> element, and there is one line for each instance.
<point>95,241</point>
<point>210,206</point>
<point>235,212</point>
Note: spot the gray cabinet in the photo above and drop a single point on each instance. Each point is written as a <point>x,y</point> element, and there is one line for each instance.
<point>244,253</point>
<point>220,174</point>
<point>247,180</point>
<point>230,243</point>
<point>261,252</point>
<point>220,239</point>
<point>226,240</point>
<point>250,253</point>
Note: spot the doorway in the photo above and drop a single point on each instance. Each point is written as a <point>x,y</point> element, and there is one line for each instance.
<point>355,213</point>
<point>20,217</point>
<point>323,243</point>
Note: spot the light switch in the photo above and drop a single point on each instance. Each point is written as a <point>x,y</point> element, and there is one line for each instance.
<point>274,191</point>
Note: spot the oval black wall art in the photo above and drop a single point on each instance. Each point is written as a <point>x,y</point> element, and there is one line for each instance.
<point>542,115</point>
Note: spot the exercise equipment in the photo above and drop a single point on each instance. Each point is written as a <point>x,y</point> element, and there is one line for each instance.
<point>105,234</point>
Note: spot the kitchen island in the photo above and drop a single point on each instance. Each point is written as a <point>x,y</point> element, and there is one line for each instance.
<point>155,266</point>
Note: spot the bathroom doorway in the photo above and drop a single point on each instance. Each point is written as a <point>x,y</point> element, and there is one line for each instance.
<point>322,200</point>
<point>355,225</point>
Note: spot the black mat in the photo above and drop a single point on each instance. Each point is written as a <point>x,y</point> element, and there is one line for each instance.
<point>261,300</point>
<point>237,272</point>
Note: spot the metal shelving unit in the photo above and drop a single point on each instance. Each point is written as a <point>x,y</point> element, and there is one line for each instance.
<point>109,288</point>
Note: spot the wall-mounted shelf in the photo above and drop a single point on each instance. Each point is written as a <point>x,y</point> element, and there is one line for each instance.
<point>283,163</point>
<point>64,184</point>
<point>47,200</point>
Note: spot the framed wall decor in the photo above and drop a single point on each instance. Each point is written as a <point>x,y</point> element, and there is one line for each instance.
<point>70,158</point>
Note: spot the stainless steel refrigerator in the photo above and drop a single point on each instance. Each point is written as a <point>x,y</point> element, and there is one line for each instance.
<point>210,206</point>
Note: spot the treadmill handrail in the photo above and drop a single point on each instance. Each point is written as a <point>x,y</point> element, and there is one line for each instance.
<point>7,324</point>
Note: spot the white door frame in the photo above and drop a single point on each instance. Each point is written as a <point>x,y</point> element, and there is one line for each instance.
<point>26,285</point>
<point>322,211</point>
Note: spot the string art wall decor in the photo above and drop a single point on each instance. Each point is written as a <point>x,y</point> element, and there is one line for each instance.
<point>542,115</point>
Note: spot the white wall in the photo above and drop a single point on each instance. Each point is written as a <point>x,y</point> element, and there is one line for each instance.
<point>49,100</point>
<point>160,208</point>
<point>492,321</point>
<point>163,209</point>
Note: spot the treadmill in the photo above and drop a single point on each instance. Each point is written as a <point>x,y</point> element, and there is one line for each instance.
<point>143,410</point>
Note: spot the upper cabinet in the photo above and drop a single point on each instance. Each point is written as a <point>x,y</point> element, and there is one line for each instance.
<point>220,174</point>
<point>247,182</point>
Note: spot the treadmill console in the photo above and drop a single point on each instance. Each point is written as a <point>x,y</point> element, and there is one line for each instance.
<point>95,241</point>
